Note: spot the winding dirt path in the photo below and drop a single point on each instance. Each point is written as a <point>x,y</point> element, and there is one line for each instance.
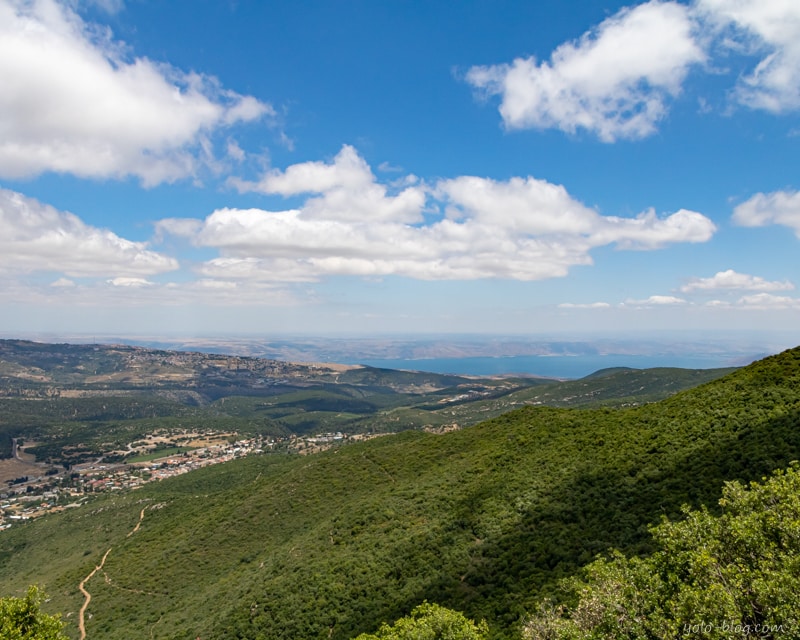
<point>88,596</point>
<point>138,524</point>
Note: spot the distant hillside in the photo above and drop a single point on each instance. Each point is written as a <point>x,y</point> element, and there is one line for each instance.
<point>75,396</point>
<point>32,369</point>
<point>483,520</point>
<point>81,402</point>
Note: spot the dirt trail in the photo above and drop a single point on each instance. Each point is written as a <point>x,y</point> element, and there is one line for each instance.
<point>138,524</point>
<point>88,596</point>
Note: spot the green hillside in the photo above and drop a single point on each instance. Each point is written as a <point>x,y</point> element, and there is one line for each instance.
<point>484,520</point>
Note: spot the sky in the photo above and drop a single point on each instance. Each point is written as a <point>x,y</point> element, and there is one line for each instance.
<point>485,167</point>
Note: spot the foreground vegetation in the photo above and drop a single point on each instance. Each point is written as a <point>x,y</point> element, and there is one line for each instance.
<point>486,521</point>
<point>430,622</point>
<point>735,575</point>
<point>22,619</point>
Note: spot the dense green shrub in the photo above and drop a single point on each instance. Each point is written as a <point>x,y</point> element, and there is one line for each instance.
<point>728,576</point>
<point>430,622</point>
<point>21,619</point>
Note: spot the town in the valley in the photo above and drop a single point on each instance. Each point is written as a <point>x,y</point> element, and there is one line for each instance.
<point>46,489</point>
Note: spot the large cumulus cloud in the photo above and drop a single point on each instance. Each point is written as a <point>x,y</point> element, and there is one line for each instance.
<point>73,102</point>
<point>456,229</point>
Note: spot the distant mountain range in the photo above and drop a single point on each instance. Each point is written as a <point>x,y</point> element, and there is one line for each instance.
<point>728,349</point>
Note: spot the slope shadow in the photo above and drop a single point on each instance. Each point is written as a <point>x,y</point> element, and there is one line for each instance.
<point>606,508</point>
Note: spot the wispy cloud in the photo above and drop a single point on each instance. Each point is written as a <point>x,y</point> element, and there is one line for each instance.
<point>656,301</point>
<point>109,6</point>
<point>778,207</point>
<point>35,237</point>
<point>768,30</point>
<point>584,305</point>
<point>767,301</point>
<point>139,293</point>
<point>731,280</point>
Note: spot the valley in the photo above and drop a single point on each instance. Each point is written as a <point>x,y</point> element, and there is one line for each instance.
<point>485,517</point>
<point>85,401</point>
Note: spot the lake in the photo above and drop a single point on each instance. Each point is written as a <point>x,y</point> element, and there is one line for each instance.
<point>560,366</point>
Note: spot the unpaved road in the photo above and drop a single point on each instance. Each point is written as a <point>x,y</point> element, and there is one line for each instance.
<point>88,596</point>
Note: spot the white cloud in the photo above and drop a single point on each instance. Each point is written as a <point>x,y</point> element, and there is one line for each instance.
<point>539,208</point>
<point>588,305</point>
<point>130,282</point>
<point>350,224</point>
<point>348,170</point>
<point>767,301</point>
<point>72,103</point>
<point>779,207</point>
<point>614,81</point>
<point>35,237</point>
<point>731,280</point>
<point>522,205</point>
<point>350,191</point>
<point>657,301</point>
<point>617,80</point>
<point>771,30</point>
<point>648,231</point>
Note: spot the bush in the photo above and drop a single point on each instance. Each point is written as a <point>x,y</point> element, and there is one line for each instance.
<point>735,575</point>
<point>430,622</point>
<point>21,619</point>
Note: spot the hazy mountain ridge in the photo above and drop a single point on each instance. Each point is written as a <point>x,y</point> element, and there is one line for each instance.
<point>483,520</point>
<point>730,349</point>
<point>121,367</point>
<point>86,393</point>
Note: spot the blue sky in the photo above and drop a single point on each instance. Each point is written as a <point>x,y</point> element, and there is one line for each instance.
<point>370,167</point>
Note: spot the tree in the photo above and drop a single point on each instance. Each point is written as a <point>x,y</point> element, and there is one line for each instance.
<point>430,622</point>
<point>728,576</point>
<point>21,619</point>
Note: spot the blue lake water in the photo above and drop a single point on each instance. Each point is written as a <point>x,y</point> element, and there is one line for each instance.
<point>550,366</point>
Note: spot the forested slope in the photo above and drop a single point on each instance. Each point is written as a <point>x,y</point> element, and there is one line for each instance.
<point>484,520</point>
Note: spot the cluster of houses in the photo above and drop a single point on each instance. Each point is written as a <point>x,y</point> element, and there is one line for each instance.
<point>23,501</point>
<point>47,494</point>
